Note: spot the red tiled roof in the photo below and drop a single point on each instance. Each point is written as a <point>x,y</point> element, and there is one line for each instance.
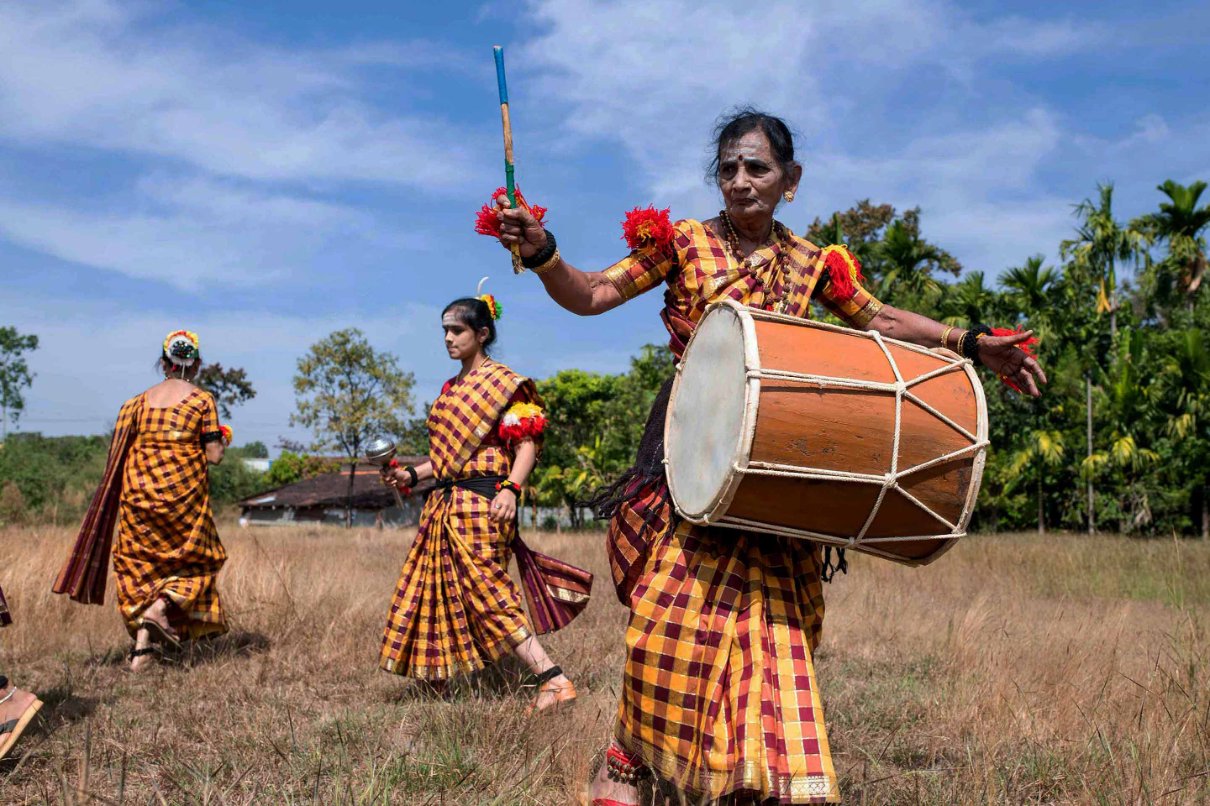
<point>332,489</point>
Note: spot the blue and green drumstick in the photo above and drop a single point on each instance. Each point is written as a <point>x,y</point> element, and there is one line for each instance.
<point>502,82</point>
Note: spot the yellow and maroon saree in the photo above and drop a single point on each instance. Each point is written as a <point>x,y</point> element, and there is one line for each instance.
<point>719,694</point>
<point>156,488</point>
<point>456,608</point>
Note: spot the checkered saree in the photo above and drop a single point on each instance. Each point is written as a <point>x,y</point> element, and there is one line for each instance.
<point>719,693</point>
<point>167,543</point>
<point>456,608</point>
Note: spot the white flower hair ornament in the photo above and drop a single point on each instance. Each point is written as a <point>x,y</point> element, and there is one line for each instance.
<point>181,347</point>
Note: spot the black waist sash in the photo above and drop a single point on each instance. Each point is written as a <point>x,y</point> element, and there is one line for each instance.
<point>555,591</point>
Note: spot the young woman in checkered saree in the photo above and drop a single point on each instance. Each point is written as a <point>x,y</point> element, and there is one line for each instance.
<point>719,695</point>
<point>456,609</point>
<point>156,487</point>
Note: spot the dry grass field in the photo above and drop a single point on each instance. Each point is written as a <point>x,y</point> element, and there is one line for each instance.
<point>1018,669</point>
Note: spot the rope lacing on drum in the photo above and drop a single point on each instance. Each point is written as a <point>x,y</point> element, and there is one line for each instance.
<point>890,480</point>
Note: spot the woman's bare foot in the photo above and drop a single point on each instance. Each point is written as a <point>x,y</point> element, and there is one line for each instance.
<point>606,788</point>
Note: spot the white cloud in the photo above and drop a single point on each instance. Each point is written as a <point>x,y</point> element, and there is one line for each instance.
<point>859,80</point>
<point>188,232</point>
<point>107,75</point>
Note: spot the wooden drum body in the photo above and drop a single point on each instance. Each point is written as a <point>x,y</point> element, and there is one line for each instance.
<point>791,427</point>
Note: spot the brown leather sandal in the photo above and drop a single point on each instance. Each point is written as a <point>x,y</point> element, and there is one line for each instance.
<point>564,693</point>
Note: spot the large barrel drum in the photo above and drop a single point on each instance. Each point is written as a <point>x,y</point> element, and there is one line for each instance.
<point>798,428</point>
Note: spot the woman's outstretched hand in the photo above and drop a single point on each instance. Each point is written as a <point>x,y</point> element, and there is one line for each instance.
<point>519,227</point>
<point>1001,355</point>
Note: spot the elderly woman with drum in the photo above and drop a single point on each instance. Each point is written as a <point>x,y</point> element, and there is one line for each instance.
<point>719,694</point>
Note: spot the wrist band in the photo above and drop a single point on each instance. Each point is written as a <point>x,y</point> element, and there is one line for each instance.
<point>969,344</point>
<point>509,485</point>
<point>539,259</point>
<point>412,475</point>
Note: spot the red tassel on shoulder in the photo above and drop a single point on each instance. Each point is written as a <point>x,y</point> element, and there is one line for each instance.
<point>522,421</point>
<point>487,222</point>
<point>843,269</point>
<point>647,226</point>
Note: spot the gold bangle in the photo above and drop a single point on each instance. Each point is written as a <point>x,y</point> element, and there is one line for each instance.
<point>962,342</point>
<point>554,260</point>
<point>945,334</point>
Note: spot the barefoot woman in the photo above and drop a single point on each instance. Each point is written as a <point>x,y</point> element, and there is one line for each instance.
<point>718,692</point>
<point>456,608</point>
<point>156,486</point>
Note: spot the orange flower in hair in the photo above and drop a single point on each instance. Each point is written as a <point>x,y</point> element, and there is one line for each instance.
<point>227,433</point>
<point>493,307</point>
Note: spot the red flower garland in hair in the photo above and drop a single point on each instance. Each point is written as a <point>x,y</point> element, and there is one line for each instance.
<point>227,433</point>
<point>643,226</point>
<point>843,269</point>
<point>1023,347</point>
<point>487,222</point>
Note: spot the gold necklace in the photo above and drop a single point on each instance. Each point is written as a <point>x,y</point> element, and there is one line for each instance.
<point>777,271</point>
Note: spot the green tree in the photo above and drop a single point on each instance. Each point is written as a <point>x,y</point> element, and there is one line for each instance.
<point>1180,223</point>
<point>1042,451</point>
<point>1029,288</point>
<point>1101,242</point>
<point>230,387</point>
<point>347,393</point>
<point>1124,455</point>
<point>15,376</point>
<point>290,467</point>
<point>255,450</point>
<point>578,404</point>
<point>1186,375</point>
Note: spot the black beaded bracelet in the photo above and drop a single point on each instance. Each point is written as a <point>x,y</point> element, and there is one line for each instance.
<point>970,344</point>
<point>412,475</point>
<point>540,257</point>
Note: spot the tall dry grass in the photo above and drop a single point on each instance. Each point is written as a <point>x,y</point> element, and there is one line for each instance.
<point>1016,670</point>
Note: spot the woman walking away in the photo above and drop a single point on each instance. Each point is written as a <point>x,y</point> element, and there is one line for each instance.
<point>156,487</point>
<point>456,609</point>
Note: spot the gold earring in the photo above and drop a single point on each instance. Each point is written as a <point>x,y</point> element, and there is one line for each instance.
<point>788,196</point>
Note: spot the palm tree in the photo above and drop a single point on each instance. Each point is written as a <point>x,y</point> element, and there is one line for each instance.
<point>1127,406</point>
<point>1186,371</point>
<point>1029,288</point>
<point>969,300</point>
<point>1180,223</point>
<point>1042,449</point>
<point>907,264</point>
<point>1099,244</point>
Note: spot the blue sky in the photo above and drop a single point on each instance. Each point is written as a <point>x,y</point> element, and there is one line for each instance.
<point>265,173</point>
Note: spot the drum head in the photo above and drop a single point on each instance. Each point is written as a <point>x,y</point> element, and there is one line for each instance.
<point>706,429</point>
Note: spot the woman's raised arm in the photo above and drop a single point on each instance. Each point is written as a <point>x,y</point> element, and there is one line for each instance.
<point>582,292</point>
